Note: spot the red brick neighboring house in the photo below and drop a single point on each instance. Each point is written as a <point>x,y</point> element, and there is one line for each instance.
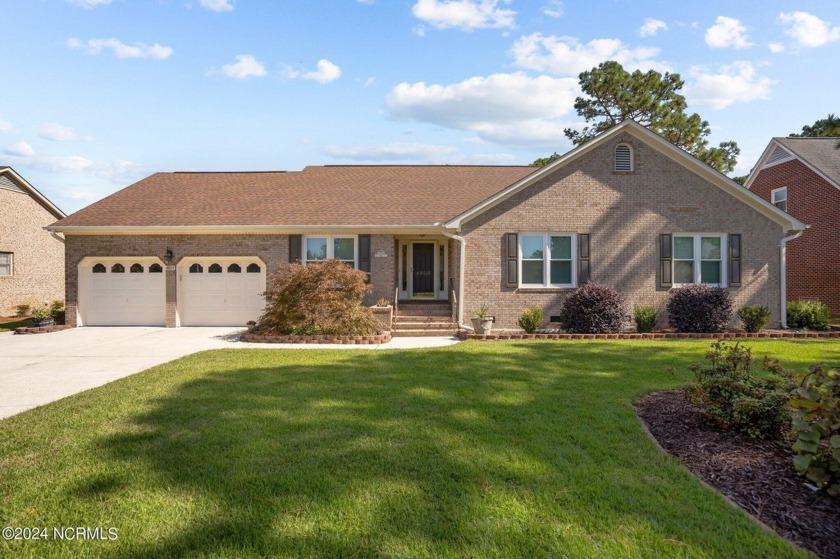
<point>627,208</point>
<point>31,259</point>
<point>802,177</point>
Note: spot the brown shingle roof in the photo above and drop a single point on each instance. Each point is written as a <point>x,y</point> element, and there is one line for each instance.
<point>821,153</point>
<point>330,195</point>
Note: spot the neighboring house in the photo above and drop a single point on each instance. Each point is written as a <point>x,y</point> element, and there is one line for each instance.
<point>802,177</point>
<point>627,208</point>
<point>31,259</point>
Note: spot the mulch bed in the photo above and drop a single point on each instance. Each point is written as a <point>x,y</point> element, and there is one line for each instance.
<point>757,475</point>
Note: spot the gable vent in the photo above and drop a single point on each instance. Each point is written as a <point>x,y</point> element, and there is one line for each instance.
<point>623,159</point>
<point>6,184</point>
<point>779,154</point>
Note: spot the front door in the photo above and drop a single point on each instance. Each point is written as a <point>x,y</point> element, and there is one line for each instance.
<point>423,264</point>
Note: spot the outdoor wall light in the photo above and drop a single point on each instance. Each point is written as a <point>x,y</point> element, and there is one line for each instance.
<point>167,258</point>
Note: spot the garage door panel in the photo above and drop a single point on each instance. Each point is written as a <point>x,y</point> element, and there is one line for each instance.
<point>229,298</point>
<point>116,298</point>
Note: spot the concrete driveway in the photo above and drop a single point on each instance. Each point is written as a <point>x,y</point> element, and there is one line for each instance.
<point>41,368</point>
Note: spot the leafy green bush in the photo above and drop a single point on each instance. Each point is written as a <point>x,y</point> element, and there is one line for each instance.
<point>644,317</point>
<point>699,308</point>
<point>754,317</point>
<point>816,425</point>
<point>23,309</point>
<point>593,308</point>
<point>57,311</point>
<point>733,398</point>
<point>531,319</point>
<point>323,298</point>
<point>812,315</point>
<point>40,313</point>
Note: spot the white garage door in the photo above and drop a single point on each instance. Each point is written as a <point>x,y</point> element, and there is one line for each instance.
<point>220,291</point>
<point>124,292</point>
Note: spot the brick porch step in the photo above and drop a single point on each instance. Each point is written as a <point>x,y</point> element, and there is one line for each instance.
<point>422,333</point>
<point>423,318</point>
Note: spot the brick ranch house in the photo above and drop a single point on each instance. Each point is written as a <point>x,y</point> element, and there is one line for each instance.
<point>627,208</point>
<point>31,259</point>
<point>802,177</point>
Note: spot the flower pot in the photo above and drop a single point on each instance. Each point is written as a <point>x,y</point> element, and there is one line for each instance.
<point>38,322</point>
<point>482,325</point>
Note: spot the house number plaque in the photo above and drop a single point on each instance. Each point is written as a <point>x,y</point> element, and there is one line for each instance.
<point>380,254</point>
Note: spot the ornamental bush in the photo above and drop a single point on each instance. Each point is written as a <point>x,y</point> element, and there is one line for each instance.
<point>812,315</point>
<point>754,317</point>
<point>531,319</point>
<point>645,318</point>
<point>313,299</point>
<point>593,308</point>
<point>733,398</point>
<point>699,308</point>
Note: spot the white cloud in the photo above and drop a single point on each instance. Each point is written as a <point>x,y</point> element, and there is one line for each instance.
<point>59,133</point>
<point>464,14</point>
<point>503,108</point>
<point>6,127</point>
<point>390,152</point>
<point>122,50</point>
<point>89,3</point>
<point>246,66</point>
<point>808,30</point>
<point>368,2</point>
<point>20,149</point>
<point>327,72</point>
<point>553,8</point>
<point>735,83</point>
<point>218,5</point>
<point>727,32</point>
<point>776,47</point>
<point>652,26</point>
<point>568,56</point>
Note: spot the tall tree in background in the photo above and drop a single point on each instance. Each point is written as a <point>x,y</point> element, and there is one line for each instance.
<point>825,127</point>
<point>612,95</point>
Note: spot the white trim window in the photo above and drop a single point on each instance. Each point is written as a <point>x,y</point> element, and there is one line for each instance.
<point>5,263</point>
<point>779,198</point>
<point>318,248</point>
<point>699,258</point>
<point>547,260</point>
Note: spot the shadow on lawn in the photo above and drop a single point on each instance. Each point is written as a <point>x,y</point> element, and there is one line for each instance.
<point>487,452</point>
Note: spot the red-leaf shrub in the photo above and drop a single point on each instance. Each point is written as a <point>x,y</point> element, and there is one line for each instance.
<point>593,308</point>
<point>323,298</point>
<point>699,308</point>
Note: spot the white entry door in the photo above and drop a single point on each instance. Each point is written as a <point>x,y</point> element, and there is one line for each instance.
<point>220,291</point>
<point>123,292</point>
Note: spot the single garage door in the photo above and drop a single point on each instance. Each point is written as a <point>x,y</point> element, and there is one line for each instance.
<point>220,291</point>
<point>124,292</point>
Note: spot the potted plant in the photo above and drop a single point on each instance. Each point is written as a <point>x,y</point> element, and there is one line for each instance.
<point>41,317</point>
<point>482,321</point>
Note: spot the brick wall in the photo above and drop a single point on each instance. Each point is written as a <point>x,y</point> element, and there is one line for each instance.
<point>38,269</point>
<point>272,249</point>
<point>624,214</point>
<point>813,260</point>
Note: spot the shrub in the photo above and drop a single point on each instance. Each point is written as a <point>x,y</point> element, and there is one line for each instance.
<point>645,318</point>
<point>754,317</point>
<point>593,308</point>
<point>699,308</point>
<point>57,311</point>
<point>816,425</point>
<point>812,315</point>
<point>314,299</point>
<point>531,319</point>
<point>733,398</point>
<point>41,313</point>
<point>23,309</point>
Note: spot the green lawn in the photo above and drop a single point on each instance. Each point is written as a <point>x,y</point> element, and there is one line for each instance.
<point>521,449</point>
<point>16,324</point>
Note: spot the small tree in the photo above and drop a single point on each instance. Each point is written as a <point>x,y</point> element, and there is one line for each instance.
<point>323,298</point>
<point>593,308</point>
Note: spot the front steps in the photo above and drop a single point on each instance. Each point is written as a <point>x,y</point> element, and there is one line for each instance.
<point>423,318</point>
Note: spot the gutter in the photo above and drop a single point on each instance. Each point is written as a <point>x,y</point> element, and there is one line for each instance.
<point>463,259</point>
<point>783,248</point>
<point>56,236</point>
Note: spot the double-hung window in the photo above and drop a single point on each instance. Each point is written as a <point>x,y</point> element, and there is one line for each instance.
<point>5,263</point>
<point>779,198</point>
<point>698,258</point>
<point>547,259</point>
<point>321,248</point>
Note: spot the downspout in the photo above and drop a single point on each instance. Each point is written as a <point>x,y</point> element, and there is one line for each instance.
<point>57,238</point>
<point>463,259</point>
<point>783,246</point>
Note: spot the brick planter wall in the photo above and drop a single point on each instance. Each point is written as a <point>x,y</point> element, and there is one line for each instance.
<point>650,336</point>
<point>41,329</point>
<point>323,339</point>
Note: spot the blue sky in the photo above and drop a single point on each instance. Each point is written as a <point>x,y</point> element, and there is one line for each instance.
<point>100,93</point>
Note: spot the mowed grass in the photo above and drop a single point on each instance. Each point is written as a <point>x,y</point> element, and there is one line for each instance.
<point>11,325</point>
<point>478,450</point>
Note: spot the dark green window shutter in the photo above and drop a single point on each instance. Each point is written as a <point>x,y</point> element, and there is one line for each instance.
<point>295,246</point>
<point>665,269</point>
<point>734,259</point>
<point>364,255</point>
<point>584,270</point>
<point>510,267</point>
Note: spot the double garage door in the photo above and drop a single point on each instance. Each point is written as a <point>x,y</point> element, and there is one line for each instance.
<point>211,292</point>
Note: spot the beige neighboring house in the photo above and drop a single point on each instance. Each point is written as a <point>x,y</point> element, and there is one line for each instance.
<point>31,258</point>
<point>627,208</point>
